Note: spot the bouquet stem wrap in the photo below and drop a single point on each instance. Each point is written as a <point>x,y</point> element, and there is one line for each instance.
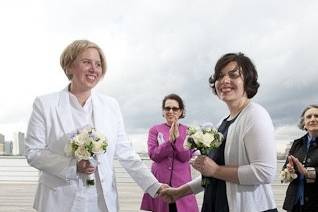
<point>90,181</point>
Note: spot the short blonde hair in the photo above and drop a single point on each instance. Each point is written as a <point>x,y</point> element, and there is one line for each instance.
<point>301,123</point>
<point>74,49</point>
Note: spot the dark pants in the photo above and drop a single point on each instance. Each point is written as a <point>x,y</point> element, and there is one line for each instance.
<point>173,207</point>
<point>297,208</point>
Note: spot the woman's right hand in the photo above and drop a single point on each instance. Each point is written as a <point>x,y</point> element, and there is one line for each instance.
<point>85,167</point>
<point>290,165</point>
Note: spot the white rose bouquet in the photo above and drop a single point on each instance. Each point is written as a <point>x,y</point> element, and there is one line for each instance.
<point>85,145</point>
<point>287,176</point>
<point>204,139</point>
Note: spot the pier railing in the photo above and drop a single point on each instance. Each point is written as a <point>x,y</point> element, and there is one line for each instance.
<point>18,183</point>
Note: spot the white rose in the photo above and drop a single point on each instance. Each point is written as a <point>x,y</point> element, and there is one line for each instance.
<point>207,139</point>
<point>191,130</point>
<point>82,154</point>
<point>198,138</point>
<point>98,147</point>
<point>79,139</point>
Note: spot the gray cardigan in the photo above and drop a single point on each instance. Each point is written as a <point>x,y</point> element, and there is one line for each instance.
<point>250,146</point>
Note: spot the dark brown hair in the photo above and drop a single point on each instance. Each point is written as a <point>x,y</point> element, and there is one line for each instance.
<point>246,67</point>
<point>176,98</point>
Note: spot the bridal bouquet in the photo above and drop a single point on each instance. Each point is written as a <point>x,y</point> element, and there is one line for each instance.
<point>204,139</point>
<point>85,144</point>
<point>287,176</point>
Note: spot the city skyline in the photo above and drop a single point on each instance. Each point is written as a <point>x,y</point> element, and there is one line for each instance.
<point>14,146</point>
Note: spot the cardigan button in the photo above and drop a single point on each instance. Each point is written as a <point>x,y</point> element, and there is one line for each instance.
<point>308,160</point>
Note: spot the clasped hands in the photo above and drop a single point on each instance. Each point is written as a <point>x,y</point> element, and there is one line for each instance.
<point>174,130</point>
<point>203,164</point>
<point>168,194</point>
<point>292,162</point>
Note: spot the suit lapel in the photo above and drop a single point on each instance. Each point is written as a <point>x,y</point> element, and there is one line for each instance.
<point>102,122</point>
<point>102,116</point>
<point>64,112</point>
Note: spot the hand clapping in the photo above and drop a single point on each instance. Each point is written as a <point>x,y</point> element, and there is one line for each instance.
<point>300,167</point>
<point>174,130</point>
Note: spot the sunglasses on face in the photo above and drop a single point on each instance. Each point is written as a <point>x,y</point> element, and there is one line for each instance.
<point>233,74</point>
<point>174,109</point>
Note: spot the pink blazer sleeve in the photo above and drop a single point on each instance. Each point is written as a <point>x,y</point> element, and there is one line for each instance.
<point>157,152</point>
<point>182,154</point>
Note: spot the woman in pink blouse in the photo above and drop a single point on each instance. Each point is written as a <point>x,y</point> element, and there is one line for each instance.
<point>170,160</point>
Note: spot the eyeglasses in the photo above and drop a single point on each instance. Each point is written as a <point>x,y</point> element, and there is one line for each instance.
<point>234,74</point>
<point>174,109</point>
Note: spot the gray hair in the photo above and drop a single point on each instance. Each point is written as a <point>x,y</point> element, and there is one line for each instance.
<point>301,123</point>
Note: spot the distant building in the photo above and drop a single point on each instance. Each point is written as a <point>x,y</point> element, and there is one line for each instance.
<point>7,148</point>
<point>1,144</point>
<point>18,143</point>
<point>1,139</point>
<point>1,148</point>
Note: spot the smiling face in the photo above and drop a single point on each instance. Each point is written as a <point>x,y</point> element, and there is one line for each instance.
<point>311,121</point>
<point>171,111</point>
<point>86,70</point>
<point>230,84</point>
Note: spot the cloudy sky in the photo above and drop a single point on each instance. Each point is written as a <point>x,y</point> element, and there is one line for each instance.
<point>154,48</point>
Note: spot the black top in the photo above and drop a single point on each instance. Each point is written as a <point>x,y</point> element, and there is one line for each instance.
<point>215,192</point>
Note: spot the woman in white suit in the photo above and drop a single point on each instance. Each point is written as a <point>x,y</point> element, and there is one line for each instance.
<point>61,185</point>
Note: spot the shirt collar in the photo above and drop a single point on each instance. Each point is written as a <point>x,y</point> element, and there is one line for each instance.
<point>310,137</point>
<point>75,103</point>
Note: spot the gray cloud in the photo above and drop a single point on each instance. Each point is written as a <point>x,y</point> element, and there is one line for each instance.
<point>157,48</point>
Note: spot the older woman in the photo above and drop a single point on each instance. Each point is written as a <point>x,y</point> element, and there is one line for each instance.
<point>170,160</point>
<point>302,192</point>
<point>61,185</point>
<point>242,168</point>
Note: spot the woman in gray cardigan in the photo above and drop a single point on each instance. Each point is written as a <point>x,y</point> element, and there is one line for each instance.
<point>241,169</point>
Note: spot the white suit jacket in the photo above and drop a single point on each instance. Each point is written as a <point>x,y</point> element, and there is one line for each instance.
<point>44,148</point>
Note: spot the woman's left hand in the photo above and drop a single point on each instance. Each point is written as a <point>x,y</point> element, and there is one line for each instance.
<point>205,165</point>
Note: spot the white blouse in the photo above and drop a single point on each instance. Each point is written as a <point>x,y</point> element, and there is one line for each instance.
<point>93,197</point>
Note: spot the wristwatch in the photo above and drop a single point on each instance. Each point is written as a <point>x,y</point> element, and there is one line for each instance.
<point>310,174</point>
